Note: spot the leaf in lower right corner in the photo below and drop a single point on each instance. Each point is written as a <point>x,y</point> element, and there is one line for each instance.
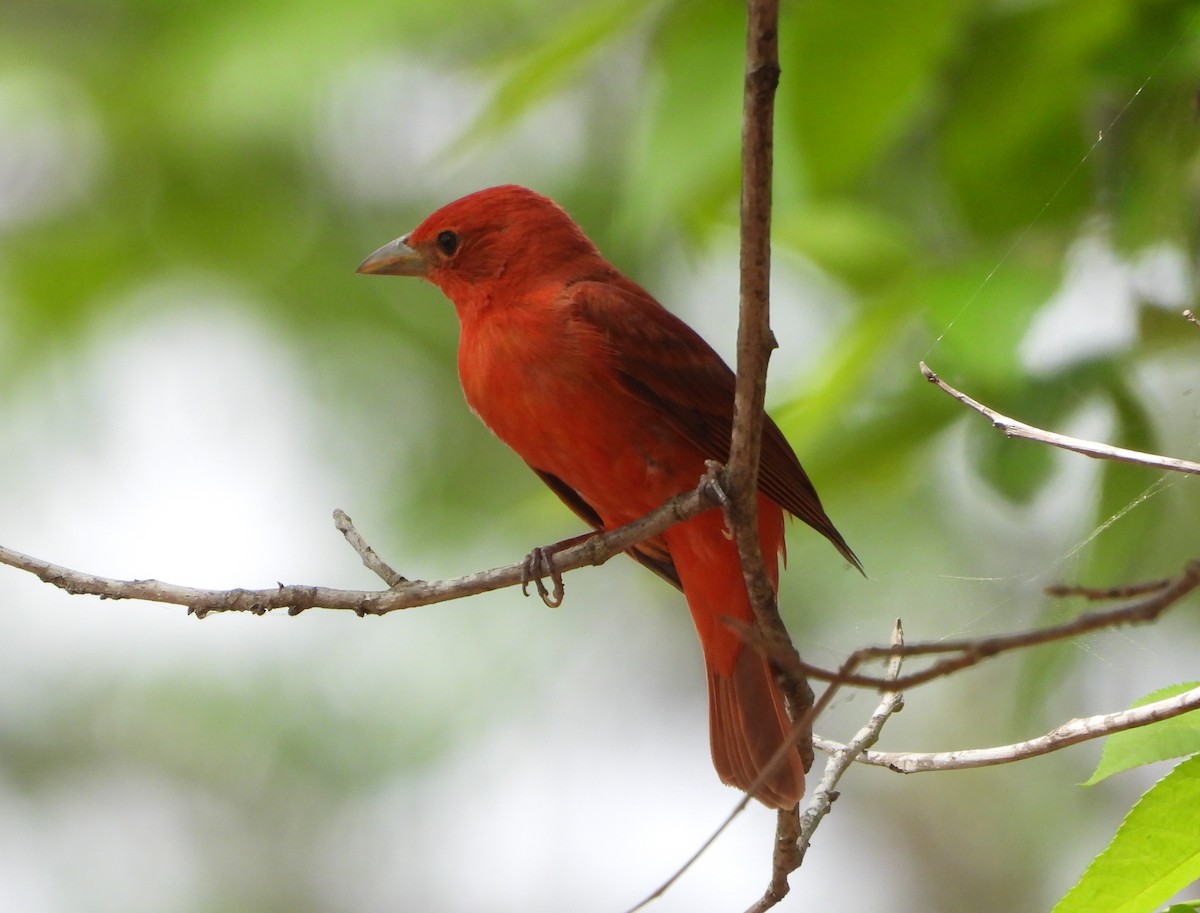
<point>1154,854</point>
<point>1177,737</point>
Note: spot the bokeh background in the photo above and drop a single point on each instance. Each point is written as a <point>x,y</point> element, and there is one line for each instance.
<point>192,378</point>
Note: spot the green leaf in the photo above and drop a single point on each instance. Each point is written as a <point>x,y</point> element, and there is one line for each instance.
<point>1155,852</point>
<point>1173,738</point>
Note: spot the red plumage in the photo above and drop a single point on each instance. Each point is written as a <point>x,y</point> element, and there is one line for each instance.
<point>617,404</point>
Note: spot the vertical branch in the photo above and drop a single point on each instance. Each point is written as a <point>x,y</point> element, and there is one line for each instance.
<point>755,342</point>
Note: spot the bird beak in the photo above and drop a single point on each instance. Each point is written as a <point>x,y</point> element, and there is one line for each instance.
<point>395,258</point>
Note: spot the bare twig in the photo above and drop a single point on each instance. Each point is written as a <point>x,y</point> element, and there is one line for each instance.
<point>594,550</point>
<point>369,556</point>
<point>1107,593</point>
<point>754,345</point>
<point>965,653</point>
<point>841,760</point>
<point>1015,429</point>
<point>1069,733</point>
<point>1191,318</point>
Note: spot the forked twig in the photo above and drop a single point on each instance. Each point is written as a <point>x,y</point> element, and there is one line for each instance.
<point>596,549</point>
<point>840,761</point>
<point>789,857</point>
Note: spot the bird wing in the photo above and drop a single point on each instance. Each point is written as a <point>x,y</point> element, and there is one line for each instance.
<point>663,362</point>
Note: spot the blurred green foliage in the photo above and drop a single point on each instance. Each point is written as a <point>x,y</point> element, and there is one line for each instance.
<point>920,147</point>
<point>936,163</point>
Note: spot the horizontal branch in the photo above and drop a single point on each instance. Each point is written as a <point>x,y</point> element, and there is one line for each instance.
<point>961,654</point>
<point>1069,733</point>
<point>407,594</point>
<point>1015,429</point>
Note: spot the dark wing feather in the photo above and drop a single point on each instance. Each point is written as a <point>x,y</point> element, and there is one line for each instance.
<point>667,365</point>
<point>646,554</point>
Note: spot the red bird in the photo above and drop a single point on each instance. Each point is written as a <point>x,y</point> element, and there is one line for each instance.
<point>616,404</point>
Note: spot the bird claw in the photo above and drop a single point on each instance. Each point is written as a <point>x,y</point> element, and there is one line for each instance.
<point>538,564</point>
<point>711,487</point>
<point>710,484</point>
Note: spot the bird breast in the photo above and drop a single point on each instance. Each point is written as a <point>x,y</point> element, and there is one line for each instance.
<point>545,384</point>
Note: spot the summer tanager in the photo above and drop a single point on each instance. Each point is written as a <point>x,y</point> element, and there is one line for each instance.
<point>616,404</point>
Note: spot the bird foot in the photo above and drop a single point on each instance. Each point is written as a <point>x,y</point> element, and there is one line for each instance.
<point>539,564</point>
<point>711,487</point>
<point>710,484</point>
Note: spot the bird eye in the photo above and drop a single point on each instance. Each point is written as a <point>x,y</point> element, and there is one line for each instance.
<point>447,242</point>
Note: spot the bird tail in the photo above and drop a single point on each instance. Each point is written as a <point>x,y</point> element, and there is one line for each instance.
<point>747,726</point>
<point>747,720</point>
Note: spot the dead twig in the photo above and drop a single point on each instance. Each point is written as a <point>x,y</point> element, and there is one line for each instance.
<point>1099,594</point>
<point>965,653</point>
<point>1016,429</point>
<point>1072,732</point>
<point>841,759</point>
<point>370,558</point>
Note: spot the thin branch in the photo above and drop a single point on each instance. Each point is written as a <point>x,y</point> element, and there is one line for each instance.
<point>840,761</point>
<point>1069,733</point>
<point>755,340</point>
<point>1107,593</point>
<point>785,858</point>
<point>1191,318</point>
<point>370,558</point>
<point>1015,429</point>
<point>594,550</point>
<point>965,653</point>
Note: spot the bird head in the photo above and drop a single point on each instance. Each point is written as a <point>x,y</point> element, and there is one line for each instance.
<point>504,239</point>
